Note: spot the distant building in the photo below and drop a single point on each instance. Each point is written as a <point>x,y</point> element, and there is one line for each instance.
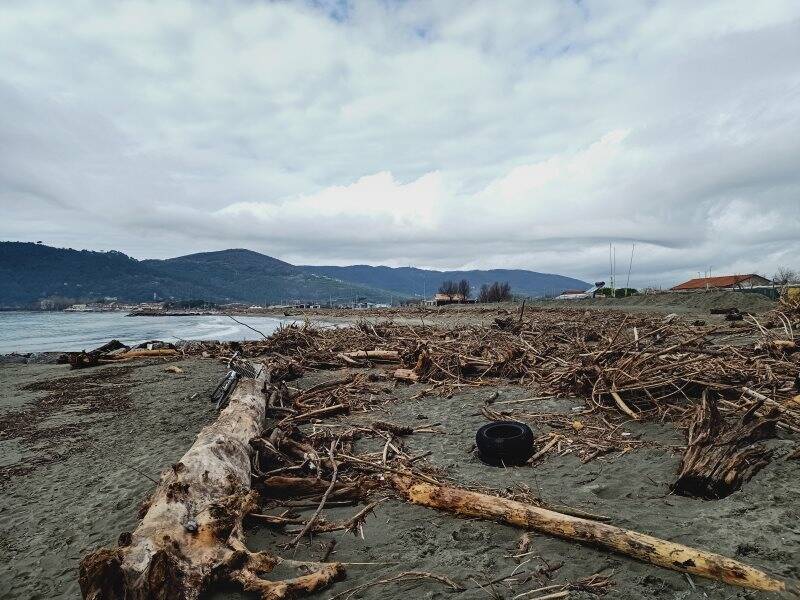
<point>724,282</point>
<point>581,294</point>
<point>442,299</point>
<point>573,295</point>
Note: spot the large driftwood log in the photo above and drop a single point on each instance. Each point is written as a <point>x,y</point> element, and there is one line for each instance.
<point>720,457</point>
<point>631,543</point>
<point>192,532</point>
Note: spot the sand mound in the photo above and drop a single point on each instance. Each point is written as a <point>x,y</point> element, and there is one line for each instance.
<point>707,300</point>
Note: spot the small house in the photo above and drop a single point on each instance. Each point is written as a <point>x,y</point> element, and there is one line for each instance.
<point>442,299</point>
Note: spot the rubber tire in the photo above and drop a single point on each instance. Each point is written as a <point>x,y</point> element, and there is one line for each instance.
<point>508,443</point>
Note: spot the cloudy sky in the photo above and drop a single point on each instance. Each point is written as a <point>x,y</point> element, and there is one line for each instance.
<point>441,134</point>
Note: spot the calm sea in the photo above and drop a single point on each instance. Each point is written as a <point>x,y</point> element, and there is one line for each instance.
<point>58,331</point>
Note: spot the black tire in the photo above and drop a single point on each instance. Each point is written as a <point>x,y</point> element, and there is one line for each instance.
<point>504,443</point>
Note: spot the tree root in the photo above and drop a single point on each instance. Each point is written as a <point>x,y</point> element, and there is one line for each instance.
<point>720,456</point>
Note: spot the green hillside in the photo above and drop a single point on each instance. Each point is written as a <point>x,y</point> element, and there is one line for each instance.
<point>32,272</point>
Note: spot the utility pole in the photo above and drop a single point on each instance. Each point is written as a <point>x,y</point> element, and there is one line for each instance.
<point>630,266</point>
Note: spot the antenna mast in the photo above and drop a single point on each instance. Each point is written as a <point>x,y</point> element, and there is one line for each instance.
<point>630,266</point>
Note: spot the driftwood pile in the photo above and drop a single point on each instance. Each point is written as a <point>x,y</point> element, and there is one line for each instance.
<point>645,367</point>
<point>116,352</point>
<point>275,449</point>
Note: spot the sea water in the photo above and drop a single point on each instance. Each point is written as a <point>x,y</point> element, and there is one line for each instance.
<point>60,331</point>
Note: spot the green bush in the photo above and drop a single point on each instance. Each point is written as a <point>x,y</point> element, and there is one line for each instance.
<point>618,293</point>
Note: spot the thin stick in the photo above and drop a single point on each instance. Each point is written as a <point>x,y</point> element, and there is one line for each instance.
<point>538,590</point>
<point>544,450</point>
<point>315,516</point>
<point>624,407</point>
<point>525,400</point>
<point>248,326</point>
<point>404,576</point>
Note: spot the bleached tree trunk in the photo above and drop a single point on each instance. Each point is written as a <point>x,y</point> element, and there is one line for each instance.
<point>631,543</point>
<point>191,534</point>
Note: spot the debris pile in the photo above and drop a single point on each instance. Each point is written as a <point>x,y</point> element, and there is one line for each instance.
<point>115,352</point>
<point>643,366</point>
<point>304,451</point>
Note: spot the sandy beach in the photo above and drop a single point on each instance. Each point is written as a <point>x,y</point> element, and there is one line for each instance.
<point>77,450</point>
<point>81,450</point>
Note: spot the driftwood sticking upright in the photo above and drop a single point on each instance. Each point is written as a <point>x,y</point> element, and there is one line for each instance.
<point>192,532</point>
<point>643,547</point>
<point>720,457</point>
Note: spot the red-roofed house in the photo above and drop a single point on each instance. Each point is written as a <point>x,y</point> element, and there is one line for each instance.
<point>725,282</point>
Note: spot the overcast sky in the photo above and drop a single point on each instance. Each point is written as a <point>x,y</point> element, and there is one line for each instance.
<point>439,134</point>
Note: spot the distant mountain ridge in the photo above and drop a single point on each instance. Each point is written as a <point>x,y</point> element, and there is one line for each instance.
<point>411,281</point>
<point>31,272</point>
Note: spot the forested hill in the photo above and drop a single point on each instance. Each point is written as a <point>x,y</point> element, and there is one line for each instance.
<point>31,272</point>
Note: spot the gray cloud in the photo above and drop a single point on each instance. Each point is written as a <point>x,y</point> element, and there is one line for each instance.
<point>442,134</point>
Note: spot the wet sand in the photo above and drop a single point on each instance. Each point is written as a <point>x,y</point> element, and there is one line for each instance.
<point>76,451</point>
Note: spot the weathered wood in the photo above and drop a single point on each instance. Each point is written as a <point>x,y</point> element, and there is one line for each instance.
<point>141,353</point>
<point>720,457</point>
<point>374,355</point>
<point>622,406</point>
<point>326,411</point>
<point>643,547</point>
<point>406,375</point>
<point>81,360</point>
<point>192,531</point>
<point>282,486</point>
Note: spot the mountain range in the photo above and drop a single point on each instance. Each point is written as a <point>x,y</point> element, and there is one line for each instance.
<point>422,282</point>
<point>31,272</point>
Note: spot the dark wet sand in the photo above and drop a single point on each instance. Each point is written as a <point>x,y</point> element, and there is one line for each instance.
<point>73,479</point>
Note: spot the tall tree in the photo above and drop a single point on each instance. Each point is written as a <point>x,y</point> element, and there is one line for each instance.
<point>496,292</point>
<point>464,289</point>
<point>786,275</point>
<point>449,288</point>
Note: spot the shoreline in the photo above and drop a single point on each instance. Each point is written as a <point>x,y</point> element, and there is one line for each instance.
<point>698,306</point>
<point>249,332</point>
<point>33,334</point>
